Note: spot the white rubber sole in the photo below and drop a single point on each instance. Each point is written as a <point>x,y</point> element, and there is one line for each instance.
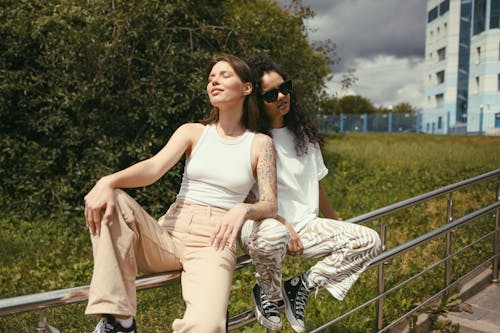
<point>296,325</point>
<point>271,325</point>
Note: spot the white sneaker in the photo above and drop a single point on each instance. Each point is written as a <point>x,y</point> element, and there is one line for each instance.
<point>267,312</point>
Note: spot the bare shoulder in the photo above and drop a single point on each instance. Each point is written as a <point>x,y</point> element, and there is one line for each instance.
<point>263,140</point>
<point>190,131</point>
<point>189,134</point>
<point>263,147</point>
<point>191,128</point>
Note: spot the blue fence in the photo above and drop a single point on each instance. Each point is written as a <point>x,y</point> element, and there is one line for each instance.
<point>370,123</point>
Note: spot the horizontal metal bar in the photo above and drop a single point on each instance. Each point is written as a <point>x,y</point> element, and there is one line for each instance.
<point>79,294</point>
<point>18,304</point>
<point>398,250</point>
<point>241,319</point>
<point>439,293</point>
<point>431,267</point>
<point>376,214</point>
<point>417,308</point>
<point>403,283</point>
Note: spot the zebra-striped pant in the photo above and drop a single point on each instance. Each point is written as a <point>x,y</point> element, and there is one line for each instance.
<point>347,249</point>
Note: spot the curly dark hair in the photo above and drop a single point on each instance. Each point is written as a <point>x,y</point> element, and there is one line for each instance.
<point>296,120</point>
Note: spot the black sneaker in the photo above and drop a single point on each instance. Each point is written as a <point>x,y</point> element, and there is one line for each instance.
<point>266,311</point>
<point>296,294</point>
<point>108,324</point>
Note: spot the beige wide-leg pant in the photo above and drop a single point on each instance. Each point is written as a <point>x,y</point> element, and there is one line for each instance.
<point>178,240</point>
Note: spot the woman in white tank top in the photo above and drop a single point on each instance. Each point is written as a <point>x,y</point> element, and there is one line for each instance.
<point>224,159</point>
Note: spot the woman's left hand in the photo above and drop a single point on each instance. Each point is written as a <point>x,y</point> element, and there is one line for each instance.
<point>226,230</point>
<point>295,247</point>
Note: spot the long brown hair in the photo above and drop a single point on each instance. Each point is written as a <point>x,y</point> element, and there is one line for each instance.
<point>250,116</point>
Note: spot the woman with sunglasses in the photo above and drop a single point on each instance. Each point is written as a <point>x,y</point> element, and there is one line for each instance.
<point>224,159</point>
<point>347,248</point>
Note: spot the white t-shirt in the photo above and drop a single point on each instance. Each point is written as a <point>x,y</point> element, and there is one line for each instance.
<point>298,177</point>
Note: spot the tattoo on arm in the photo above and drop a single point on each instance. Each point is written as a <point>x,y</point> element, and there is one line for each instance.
<point>266,178</point>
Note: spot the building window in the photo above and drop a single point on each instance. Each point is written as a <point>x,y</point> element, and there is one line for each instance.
<point>495,14</point>
<point>444,7</point>
<point>498,84</point>
<point>439,100</point>
<point>477,84</point>
<point>464,80</point>
<point>497,120</point>
<point>432,14</point>
<point>440,77</point>
<point>440,122</point>
<point>441,54</point>
<point>478,55</point>
<point>479,16</point>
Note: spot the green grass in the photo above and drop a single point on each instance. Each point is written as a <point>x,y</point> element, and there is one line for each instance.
<point>366,172</point>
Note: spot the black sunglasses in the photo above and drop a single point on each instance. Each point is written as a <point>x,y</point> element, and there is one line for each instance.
<point>271,95</point>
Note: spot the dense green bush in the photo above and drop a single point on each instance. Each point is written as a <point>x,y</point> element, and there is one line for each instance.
<point>90,87</point>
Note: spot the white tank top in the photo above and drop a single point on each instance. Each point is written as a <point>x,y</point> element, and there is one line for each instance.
<point>218,172</point>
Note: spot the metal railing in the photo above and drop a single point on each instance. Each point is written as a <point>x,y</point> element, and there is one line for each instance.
<point>42,301</point>
<point>409,122</point>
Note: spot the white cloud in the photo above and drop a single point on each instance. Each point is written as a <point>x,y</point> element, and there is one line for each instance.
<point>383,40</point>
<point>385,80</point>
<point>369,28</point>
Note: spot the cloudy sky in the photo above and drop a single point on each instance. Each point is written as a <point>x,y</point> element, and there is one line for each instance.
<point>383,40</point>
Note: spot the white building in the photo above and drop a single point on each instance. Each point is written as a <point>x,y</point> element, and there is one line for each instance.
<point>462,58</point>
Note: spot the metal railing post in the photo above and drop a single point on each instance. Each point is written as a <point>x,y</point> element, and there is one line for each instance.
<point>42,323</point>
<point>381,285</point>
<point>496,238</point>
<point>449,219</point>
<point>380,303</point>
<point>43,327</point>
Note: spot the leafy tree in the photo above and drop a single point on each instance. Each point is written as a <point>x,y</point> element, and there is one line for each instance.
<point>355,104</point>
<point>329,105</point>
<point>399,108</point>
<point>90,87</point>
<point>265,27</point>
<point>404,108</point>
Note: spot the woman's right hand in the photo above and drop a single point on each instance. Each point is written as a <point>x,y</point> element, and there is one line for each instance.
<point>99,205</point>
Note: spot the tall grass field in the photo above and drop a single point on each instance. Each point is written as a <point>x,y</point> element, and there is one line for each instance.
<point>366,172</point>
